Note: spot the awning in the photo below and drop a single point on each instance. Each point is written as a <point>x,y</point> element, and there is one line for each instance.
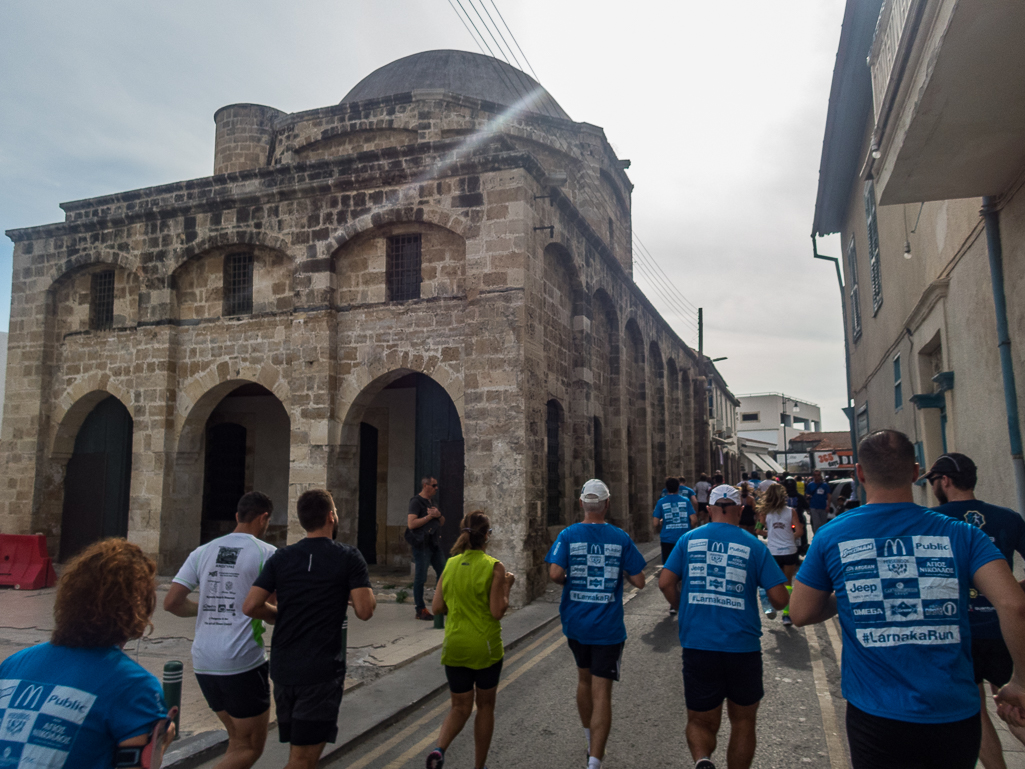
<point>757,460</point>
<point>775,466</point>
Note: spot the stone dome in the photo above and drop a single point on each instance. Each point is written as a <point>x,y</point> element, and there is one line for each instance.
<point>468,74</point>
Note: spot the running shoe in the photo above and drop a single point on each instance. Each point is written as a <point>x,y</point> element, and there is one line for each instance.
<point>435,759</point>
<point>770,613</point>
<point>787,622</point>
<point>672,612</point>
<point>425,615</point>
<point>704,763</point>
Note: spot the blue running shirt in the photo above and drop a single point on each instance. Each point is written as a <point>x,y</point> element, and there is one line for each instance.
<point>901,574</point>
<point>594,555</point>
<point>1005,529</point>
<point>71,707</point>
<point>721,567</point>
<point>674,511</point>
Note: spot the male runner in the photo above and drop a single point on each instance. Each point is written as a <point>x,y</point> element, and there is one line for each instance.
<point>817,495</point>
<point>898,576</point>
<point>589,559</point>
<point>673,517</point>
<point>953,478</point>
<point>701,489</point>
<point>713,575</point>
<point>228,656</point>
<point>314,580</point>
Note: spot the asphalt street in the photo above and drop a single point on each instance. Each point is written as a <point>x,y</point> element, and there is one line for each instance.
<point>537,724</point>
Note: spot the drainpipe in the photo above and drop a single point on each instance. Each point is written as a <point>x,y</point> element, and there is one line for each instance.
<point>849,411</point>
<point>991,215</point>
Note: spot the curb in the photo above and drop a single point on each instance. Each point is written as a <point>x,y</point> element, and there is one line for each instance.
<point>371,708</point>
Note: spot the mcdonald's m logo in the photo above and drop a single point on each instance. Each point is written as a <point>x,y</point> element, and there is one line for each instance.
<point>894,547</point>
<point>29,697</point>
<point>717,547</point>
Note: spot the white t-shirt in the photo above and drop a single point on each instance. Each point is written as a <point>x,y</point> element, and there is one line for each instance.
<point>227,641</point>
<point>779,527</point>
<point>764,486</point>
<point>701,489</point>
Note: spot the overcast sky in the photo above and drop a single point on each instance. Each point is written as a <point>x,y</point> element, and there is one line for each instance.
<point>719,106</point>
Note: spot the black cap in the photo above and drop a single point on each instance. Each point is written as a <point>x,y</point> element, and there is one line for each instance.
<point>957,466</point>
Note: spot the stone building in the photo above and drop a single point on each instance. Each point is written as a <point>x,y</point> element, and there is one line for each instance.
<point>432,277</point>
<point>922,175</point>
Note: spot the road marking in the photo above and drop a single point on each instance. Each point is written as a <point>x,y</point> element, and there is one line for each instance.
<point>837,754</point>
<point>834,639</point>
<point>426,742</point>
<point>391,742</point>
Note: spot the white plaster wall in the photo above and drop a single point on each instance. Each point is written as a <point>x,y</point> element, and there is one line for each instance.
<point>401,405</point>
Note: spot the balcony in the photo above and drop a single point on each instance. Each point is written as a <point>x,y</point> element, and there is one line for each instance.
<point>948,82</point>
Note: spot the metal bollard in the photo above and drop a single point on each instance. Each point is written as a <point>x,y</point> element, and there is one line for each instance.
<point>173,673</point>
<point>345,639</point>
<point>439,621</point>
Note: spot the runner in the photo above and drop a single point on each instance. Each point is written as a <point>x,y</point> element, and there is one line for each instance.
<point>901,575</point>
<point>589,559</point>
<point>720,629</point>
<point>770,478</point>
<point>228,657</point>
<point>673,517</point>
<point>701,489</point>
<point>79,701</point>
<point>817,495</point>
<point>953,478</point>
<point>747,513</point>
<point>780,527</point>
<point>314,579</point>
<point>475,598</point>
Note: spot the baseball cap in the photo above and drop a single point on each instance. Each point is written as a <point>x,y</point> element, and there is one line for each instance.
<point>957,465</point>
<point>720,493</point>
<point>594,491</point>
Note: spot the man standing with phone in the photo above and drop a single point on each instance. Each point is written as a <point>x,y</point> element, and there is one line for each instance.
<point>423,533</point>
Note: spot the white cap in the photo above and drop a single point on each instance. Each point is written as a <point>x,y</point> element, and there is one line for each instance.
<point>594,491</point>
<point>724,492</point>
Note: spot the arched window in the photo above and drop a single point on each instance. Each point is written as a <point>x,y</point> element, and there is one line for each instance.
<point>553,453</point>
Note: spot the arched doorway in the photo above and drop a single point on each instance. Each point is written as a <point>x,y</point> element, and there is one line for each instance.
<point>98,480</point>
<point>407,428</point>
<point>246,441</point>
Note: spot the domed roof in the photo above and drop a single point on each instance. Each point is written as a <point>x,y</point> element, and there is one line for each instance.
<point>468,74</point>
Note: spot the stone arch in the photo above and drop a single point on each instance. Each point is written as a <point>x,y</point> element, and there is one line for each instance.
<point>638,445</point>
<point>224,240</point>
<point>369,407</point>
<point>657,429</point>
<point>63,271</point>
<point>674,426</point>
<point>199,396</point>
<point>197,400</point>
<point>75,404</point>
<point>392,215</point>
<point>608,432</point>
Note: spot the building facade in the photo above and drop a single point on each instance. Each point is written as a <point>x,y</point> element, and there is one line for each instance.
<point>922,170</point>
<point>432,277</point>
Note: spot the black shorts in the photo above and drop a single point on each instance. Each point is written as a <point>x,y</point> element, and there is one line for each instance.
<point>603,661</point>
<point>242,695</point>
<point>747,516</point>
<point>308,715</point>
<point>786,560</point>
<point>667,548</point>
<point>992,661</point>
<point>883,743</point>
<point>702,507</point>
<point>463,680</point>
<point>709,677</point>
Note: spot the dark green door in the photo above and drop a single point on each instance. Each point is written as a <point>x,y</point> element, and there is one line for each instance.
<point>98,481</point>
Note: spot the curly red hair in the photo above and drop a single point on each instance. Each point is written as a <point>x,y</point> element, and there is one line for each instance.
<point>106,596</point>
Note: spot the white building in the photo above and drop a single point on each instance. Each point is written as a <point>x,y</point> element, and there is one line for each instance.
<point>775,418</point>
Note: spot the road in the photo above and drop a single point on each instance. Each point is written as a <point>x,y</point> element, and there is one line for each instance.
<point>537,722</point>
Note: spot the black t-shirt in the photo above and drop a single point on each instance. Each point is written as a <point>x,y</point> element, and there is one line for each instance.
<point>429,532</point>
<point>313,579</point>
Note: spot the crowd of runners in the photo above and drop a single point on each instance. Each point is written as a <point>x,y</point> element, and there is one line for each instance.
<point>933,622</point>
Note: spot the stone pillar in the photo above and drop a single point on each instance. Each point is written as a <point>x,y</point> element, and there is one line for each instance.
<point>244,137</point>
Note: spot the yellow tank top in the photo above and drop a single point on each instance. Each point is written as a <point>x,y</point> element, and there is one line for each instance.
<point>473,638</point>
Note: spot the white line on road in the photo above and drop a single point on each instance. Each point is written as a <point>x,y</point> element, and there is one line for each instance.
<point>837,754</point>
